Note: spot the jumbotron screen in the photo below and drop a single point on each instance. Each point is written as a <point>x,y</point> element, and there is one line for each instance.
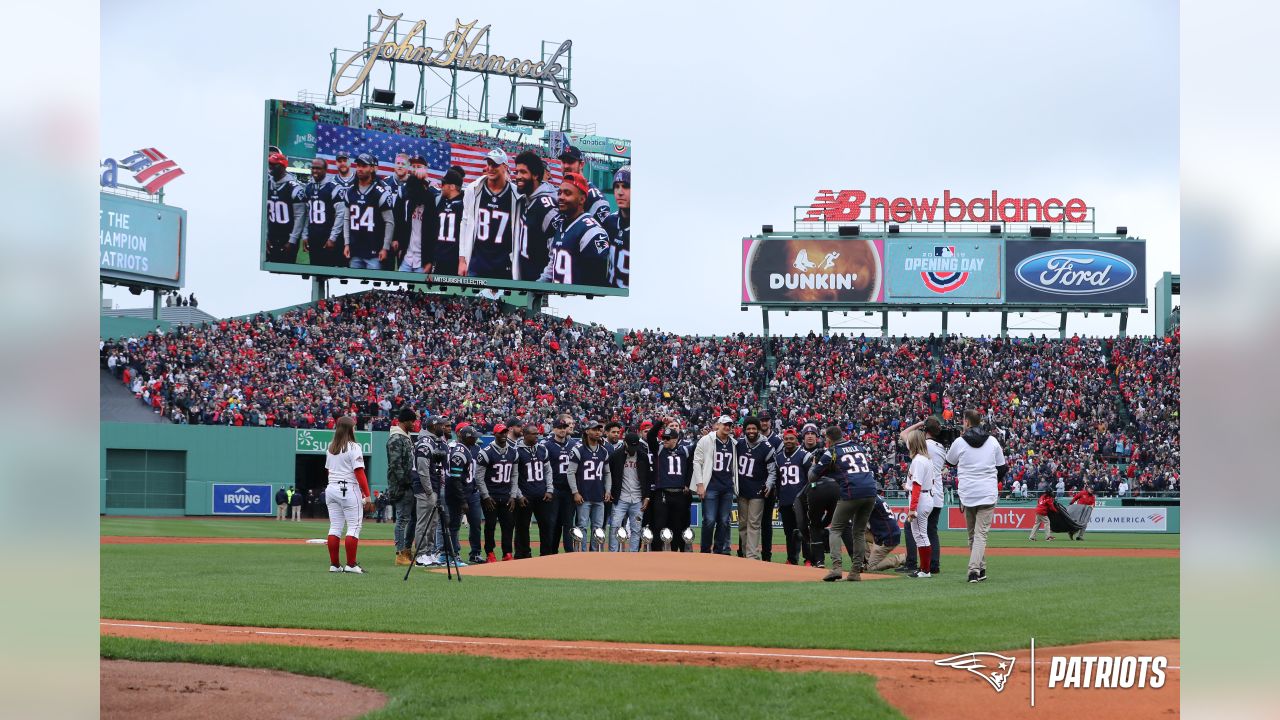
<point>345,195</point>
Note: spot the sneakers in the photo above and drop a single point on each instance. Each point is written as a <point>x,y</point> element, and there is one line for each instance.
<point>982,574</point>
<point>354,569</point>
<point>476,559</point>
<point>832,576</point>
<point>1032,538</point>
<point>919,574</point>
<point>490,558</point>
<point>904,569</point>
<point>853,577</point>
<point>506,557</point>
<point>973,576</point>
<point>1049,539</point>
<point>427,560</point>
<point>335,568</point>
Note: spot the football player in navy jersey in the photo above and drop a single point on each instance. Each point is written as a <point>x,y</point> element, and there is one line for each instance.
<point>490,212</point>
<point>416,212</point>
<point>849,463</point>
<point>346,177</point>
<point>757,477</point>
<point>574,162</point>
<point>500,490</point>
<point>618,225</point>
<point>536,494</point>
<point>286,211</point>
<point>671,497</point>
<point>589,479</point>
<point>326,216</point>
<point>563,508</point>
<point>580,250</point>
<point>771,500</point>
<point>793,470</point>
<point>538,215</point>
<point>370,223</point>
<point>440,256</point>
<point>399,206</point>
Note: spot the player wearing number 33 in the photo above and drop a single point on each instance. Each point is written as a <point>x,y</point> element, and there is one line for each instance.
<point>849,463</point>
<point>581,253</point>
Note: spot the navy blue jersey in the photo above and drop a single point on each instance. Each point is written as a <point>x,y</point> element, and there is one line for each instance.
<point>284,201</point>
<point>672,468</point>
<point>596,205</point>
<point>366,226</point>
<point>592,465</point>
<point>619,230</point>
<point>754,465</point>
<point>461,469</point>
<point>444,260</point>
<point>323,199</point>
<point>850,465</point>
<point>883,525</point>
<point>558,456</point>
<point>533,470</point>
<point>498,468</point>
<point>495,234</point>
<point>793,470</point>
<point>580,253</point>
<point>347,181</point>
<point>536,233</point>
<point>775,441</point>
<point>722,466</point>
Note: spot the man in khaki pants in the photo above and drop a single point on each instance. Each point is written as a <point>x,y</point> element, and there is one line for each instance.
<point>980,466</point>
<point>757,475</point>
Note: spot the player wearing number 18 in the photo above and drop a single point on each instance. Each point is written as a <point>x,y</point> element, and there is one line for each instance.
<point>580,252</point>
<point>849,463</point>
<point>499,492</point>
<point>326,216</point>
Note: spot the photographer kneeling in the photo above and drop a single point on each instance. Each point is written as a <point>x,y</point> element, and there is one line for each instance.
<point>980,466</point>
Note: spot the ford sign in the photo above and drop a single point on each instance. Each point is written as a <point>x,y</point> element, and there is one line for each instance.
<point>1075,272</point>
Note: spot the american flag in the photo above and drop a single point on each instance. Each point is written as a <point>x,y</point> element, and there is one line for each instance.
<point>440,155</point>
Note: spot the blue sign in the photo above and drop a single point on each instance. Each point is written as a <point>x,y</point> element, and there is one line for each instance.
<point>943,270</point>
<point>141,241</point>
<point>246,499</point>
<point>1063,272</point>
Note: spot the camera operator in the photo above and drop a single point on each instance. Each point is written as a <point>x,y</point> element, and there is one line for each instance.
<point>980,466</point>
<point>934,433</point>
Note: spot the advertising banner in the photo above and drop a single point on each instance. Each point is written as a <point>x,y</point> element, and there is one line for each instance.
<point>812,271</point>
<point>296,137</point>
<point>315,442</point>
<point>141,241</point>
<point>232,499</point>
<point>1066,272</point>
<point>943,270</point>
<point>600,145</point>
<point>1105,519</point>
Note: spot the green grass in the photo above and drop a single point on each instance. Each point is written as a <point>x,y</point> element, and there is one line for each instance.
<point>478,687</point>
<point>1059,600</point>
<point>270,528</point>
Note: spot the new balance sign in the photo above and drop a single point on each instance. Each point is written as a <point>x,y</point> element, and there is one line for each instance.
<point>234,499</point>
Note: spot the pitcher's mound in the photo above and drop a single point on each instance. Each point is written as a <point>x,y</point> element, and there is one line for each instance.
<point>694,567</point>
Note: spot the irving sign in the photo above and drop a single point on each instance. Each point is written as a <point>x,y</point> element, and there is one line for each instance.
<point>458,52</point>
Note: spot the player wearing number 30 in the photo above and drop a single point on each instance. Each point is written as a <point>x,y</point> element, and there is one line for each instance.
<point>286,211</point>
<point>490,211</point>
<point>580,251</point>
<point>499,492</point>
<point>850,464</point>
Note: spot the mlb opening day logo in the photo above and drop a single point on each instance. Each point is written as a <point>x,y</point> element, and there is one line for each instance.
<point>945,270</point>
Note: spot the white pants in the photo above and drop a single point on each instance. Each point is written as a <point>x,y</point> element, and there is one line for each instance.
<point>920,526</point>
<point>344,508</point>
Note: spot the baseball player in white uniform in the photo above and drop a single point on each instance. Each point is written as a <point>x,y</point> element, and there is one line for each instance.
<point>346,494</point>
<point>922,477</point>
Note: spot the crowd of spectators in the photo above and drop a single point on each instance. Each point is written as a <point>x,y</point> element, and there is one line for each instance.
<point>1097,410</point>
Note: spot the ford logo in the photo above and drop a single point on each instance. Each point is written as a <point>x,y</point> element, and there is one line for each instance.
<point>1075,272</point>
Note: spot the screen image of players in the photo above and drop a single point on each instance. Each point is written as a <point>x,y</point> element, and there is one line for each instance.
<point>618,226</point>
<point>417,223</point>
<point>490,212</point>
<point>538,215</point>
<point>580,251</point>
<point>595,205</point>
<point>441,255</point>
<point>286,211</point>
<point>370,222</point>
<point>346,175</point>
<point>326,216</point>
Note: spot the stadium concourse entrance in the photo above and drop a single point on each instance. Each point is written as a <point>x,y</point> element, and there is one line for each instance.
<point>310,478</point>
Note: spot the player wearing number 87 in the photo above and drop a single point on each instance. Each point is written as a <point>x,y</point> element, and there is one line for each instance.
<point>849,463</point>
<point>580,251</point>
<point>490,212</point>
<point>499,491</point>
<point>286,211</point>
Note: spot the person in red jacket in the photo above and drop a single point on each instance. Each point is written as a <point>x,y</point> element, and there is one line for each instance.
<point>1084,497</point>
<point>1043,507</point>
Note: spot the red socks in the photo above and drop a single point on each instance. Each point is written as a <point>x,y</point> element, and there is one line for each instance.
<point>352,541</point>
<point>333,550</point>
<point>926,556</point>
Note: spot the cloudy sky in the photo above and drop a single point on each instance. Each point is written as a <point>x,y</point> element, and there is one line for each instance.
<point>735,118</point>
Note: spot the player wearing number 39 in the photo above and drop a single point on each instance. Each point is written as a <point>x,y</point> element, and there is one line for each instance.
<point>850,464</point>
<point>581,253</point>
<point>490,212</point>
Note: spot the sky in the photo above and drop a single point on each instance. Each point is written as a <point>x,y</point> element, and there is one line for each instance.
<point>735,117</point>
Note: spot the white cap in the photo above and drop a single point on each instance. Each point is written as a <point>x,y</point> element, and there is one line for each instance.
<point>725,420</point>
<point>497,156</point>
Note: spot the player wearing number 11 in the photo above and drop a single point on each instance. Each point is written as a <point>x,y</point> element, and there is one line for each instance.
<point>849,463</point>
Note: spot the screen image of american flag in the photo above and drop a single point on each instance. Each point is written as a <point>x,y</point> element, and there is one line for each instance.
<point>440,155</point>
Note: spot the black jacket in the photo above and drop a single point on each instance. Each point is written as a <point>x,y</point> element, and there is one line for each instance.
<point>644,473</point>
<point>282,496</point>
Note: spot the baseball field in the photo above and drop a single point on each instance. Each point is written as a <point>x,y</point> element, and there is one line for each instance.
<point>501,643</point>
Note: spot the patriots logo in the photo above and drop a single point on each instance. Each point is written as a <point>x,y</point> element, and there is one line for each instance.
<point>944,282</point>
<point>602,243</point>
<point>993,668</point>
<point>802,263</point>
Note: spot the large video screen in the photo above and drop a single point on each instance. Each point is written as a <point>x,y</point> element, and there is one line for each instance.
<point>404,201</point>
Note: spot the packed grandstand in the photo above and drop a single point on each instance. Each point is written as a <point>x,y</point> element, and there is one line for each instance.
<point>1097,410</point>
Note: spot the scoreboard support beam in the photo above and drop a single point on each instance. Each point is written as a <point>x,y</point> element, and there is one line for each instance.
<point>1124,322</point>
<point>535,304</point>
<point>884,323</point>
<point>1062,327</point>
<point>826,326</point>
<point>944,323</point>
<point>764,316</point>
<point>319,289</point>
<point>1004,324</point>
<point>155,304</point>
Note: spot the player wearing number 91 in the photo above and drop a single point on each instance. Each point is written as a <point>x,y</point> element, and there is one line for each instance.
<point>849,463</point>
<point>490,211</point>
<point>580,251</point>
